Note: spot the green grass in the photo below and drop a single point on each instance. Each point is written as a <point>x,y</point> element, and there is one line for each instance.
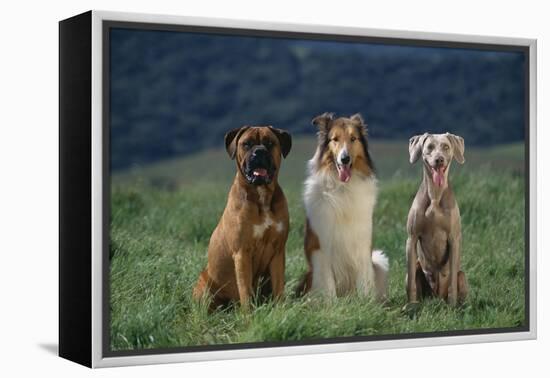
<point>163,215</point>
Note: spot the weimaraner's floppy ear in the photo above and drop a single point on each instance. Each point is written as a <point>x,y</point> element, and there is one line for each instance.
<point>284,139</point>
<point>415,147</point>
<point>358,122</point>
<point>231,139</point>
<point>457,142</point>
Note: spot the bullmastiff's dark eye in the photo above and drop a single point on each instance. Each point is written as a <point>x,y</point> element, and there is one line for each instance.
<point>335,139</point>
<point>247,144</point>
<point>353,139</point>
<point>268,144</point>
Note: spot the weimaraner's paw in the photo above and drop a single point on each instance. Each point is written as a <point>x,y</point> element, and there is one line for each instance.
<point>451,301</point>
<point>459,303</point>
<point>411,309</point>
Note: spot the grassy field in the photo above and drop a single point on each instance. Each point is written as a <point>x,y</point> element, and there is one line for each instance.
<point>163,215</point>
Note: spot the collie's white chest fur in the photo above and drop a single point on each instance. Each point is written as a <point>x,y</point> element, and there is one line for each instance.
<point>341,215</point>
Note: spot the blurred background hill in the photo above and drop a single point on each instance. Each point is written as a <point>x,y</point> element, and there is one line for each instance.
<point>174,94</point>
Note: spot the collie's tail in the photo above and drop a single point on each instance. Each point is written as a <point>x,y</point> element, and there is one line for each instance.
<point>381,268</point>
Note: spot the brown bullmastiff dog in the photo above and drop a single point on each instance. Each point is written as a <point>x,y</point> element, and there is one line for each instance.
<point>246,254</point>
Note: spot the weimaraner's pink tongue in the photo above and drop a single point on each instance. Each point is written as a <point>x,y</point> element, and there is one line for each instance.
<point>344,173</point>
<point>438,176</point>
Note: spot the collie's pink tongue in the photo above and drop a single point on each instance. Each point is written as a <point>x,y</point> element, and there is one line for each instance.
<point>438,176</point>
<point>260,172</point>
<point>344,173</point>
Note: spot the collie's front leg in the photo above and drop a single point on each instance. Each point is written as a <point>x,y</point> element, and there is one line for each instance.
<point>322,281</point>
<point>365,278</point>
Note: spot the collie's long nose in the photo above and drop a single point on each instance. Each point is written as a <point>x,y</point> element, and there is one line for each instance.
<point>343,157</point>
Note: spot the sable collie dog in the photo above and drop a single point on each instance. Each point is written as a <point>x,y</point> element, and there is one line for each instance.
<point>340,195</point>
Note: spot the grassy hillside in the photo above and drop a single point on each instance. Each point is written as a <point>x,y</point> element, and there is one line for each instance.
<point>391,160</point>
<point>163,215</point>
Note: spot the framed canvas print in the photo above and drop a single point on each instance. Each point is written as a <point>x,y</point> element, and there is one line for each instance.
<point>234,189</point>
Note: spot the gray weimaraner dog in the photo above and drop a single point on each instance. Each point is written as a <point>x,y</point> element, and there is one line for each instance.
<point>433,225</point>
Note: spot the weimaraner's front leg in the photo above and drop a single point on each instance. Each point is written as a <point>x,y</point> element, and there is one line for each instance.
<point>454,250</point>
<point>411,268</point>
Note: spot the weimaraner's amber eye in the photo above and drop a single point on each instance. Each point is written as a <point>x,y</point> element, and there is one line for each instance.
<point>430,147</point>
<point>446,147</point>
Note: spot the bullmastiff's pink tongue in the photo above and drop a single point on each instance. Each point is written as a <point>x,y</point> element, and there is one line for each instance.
<point>438,176</point>
<point>261,172</point>
<point>344,173</point>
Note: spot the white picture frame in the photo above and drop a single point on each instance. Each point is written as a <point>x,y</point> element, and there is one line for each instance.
<point>93,337</point>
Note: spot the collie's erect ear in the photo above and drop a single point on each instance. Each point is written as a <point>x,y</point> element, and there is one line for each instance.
<point>415,147</point>
<point>457,142</point>
<point>323,122</point>
<point>231,139</point>
<point>284,139</point>
<point>358,122</point>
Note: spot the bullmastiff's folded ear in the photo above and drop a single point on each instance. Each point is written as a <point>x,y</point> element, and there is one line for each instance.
<point>284,139</point>
<point>415,147</point>
<point>457,143</point>
<point>232,138</point>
